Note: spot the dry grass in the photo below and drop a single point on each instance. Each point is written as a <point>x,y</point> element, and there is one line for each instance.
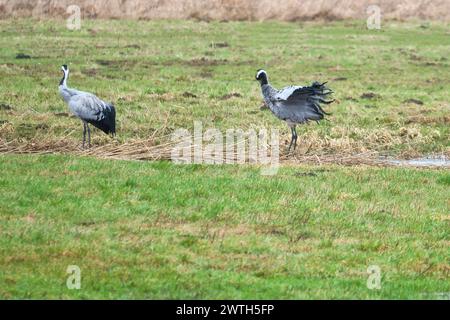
<point>151,150</point>
<point>288,10</point>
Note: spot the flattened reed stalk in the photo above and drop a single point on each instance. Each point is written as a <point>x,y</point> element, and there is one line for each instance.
<point>148,150</point>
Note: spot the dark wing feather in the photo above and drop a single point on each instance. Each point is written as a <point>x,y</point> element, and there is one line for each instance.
<point>302,104</point>
<point>91,109</point>
<point>106,120</point>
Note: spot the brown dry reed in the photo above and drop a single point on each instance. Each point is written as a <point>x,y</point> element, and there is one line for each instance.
<point>225,10</point>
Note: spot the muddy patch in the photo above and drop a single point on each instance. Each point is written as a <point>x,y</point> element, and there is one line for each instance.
<point>117,63</point>
<point>369,95</point>
<point>133,46</point>
<point>415,57</point>
<point>306,174</point>
<point>414,101</point>
<point>351,99</point>
<point>231,95</point>
<point>62,114</point>
<point>20,56</point>
<point>90,72</point>
<point>187,94</point>
<point>220,45</point>
<point>206,62</point>
<point>106,63</point>
<point>206,74</point>
<point>312,173</point>
<point>41,126</point>
<point>4,106</point>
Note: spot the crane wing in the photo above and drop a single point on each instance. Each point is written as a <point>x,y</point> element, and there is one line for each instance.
<point>88,107</point>
<point>285,93</point>
<point>301,104</point>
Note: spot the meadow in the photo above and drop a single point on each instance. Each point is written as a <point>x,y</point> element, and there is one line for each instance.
<point>151,230</point>
<point>162,75</point>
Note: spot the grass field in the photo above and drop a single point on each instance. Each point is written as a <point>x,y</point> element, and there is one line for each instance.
<point>164,75</point>
<point>160,230</point>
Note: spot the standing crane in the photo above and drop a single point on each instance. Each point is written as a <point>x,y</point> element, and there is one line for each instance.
<point>89,108</point>
<point>294,104</point>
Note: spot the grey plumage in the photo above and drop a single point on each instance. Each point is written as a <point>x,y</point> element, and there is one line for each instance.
<point>294,104</point>
<point>89,108</point>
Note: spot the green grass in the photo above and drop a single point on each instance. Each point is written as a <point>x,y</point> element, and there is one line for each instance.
<point>160,230</point>
<point>145,67</point>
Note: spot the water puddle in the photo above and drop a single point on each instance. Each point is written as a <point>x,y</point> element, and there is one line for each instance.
<point>431,161</point>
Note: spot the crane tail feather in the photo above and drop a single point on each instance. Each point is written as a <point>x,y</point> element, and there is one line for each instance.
<point>108,123</point>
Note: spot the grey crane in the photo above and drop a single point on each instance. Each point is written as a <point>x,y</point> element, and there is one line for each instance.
<point>294,104</point>
<point>89,108</point>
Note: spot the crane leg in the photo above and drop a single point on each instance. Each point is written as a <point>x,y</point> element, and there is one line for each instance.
<point>84,133</point>
<point>89,135</point>
<point>293,139</point>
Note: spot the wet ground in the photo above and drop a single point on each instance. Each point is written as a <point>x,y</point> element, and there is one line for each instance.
<point>430,161</point>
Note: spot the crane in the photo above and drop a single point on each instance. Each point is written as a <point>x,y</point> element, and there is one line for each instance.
<point>89,108</point>
<point>295,104</point>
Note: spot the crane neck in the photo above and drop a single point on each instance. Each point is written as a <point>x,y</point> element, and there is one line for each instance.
<point>269,93</point>
<point>63,81</point>
<point>267,90</point>
<point>264,81</point>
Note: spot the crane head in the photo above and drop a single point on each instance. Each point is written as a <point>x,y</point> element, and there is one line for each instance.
<point>261,76</point>
<point>64,68</point>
